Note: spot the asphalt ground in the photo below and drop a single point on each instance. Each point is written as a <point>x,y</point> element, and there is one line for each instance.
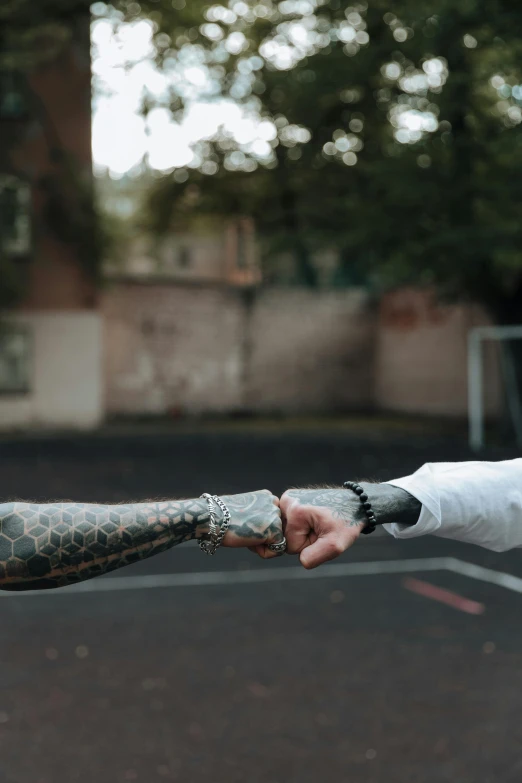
<point>336,676</point>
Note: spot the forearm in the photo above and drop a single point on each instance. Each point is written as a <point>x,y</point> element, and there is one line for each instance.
<point>392,504</point>
<point>473,502</point>
<point>44,546</point>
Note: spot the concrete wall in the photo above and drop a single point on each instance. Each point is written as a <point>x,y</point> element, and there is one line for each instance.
<point>311,352</point>
<point>190,350</point>
<point>171,348</point>
<point>66,383</point>
<point>180,349</point>
<point>421,356</point>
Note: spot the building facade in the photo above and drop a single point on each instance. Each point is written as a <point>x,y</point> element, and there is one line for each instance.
<point>51,341</point>
<point>210,256</point>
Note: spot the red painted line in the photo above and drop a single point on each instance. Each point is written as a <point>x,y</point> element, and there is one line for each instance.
<point>443,596</point>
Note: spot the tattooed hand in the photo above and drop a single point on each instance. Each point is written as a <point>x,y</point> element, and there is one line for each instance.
<point>56,544</point>
<point>255,522</point>
<point>321,523</point>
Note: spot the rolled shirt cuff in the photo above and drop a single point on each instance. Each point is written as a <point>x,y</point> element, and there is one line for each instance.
<point>421,486</point>
<point>473,502</point>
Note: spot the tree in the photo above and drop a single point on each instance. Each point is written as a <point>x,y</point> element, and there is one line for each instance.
<point>396,134</point>
<point>31,34</point>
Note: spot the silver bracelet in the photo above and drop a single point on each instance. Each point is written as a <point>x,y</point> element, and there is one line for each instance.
<point>225,524</point>
<point>216,531</point>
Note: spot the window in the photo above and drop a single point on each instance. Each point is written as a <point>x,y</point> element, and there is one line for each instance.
<point>15,359</point>
<point>15,216</point>
<point>12,101</point>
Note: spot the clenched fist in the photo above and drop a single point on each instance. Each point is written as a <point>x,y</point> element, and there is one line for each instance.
<point>320,524</point>
<point>255,522</point>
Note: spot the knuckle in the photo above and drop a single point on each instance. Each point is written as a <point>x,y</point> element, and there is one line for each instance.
<point>335,548</point>
<point>270,499</point>
<point>292,528</point>
<point>301,514</point>
<point>287,501</point>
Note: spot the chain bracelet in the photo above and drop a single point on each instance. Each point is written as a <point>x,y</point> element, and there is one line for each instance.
<point>209,545</point>
<point>217,531</point>
<point>225,524</point>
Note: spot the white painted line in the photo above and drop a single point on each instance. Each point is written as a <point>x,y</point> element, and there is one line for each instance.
<point>255,576</point>
<point>282,574</point>
<point>510,582</point>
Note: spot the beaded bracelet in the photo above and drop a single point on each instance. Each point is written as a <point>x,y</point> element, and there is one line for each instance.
<point>367,506</point>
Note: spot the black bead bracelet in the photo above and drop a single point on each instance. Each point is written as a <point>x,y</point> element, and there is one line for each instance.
<point>367,506</point>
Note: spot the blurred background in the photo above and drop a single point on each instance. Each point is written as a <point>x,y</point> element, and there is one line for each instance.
<point>300,207</point>
<point>259,243</point>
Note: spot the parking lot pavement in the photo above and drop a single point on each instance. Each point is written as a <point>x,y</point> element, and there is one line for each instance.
<point>346,676</point>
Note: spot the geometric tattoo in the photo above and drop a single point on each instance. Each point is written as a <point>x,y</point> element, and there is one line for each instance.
<point>44,546</point>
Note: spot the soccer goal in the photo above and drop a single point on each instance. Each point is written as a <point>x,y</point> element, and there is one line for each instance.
<point>476,407</point>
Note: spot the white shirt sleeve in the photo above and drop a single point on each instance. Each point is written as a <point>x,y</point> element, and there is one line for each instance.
<point>475,502</point>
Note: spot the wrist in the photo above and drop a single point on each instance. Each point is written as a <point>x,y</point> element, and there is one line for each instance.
<point>201,526</point>
<point>392,504</point>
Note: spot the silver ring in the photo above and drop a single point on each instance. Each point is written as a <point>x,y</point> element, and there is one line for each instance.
<point>281,547</point>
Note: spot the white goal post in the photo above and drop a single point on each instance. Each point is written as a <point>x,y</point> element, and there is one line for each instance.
<point>476,415</point>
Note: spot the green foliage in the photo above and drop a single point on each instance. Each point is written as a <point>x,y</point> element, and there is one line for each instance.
<point>441,205</point>
<point>32,33</point>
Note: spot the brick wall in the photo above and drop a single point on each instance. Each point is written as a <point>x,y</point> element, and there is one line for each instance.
<point>59,118</point>
<point>46,147</point>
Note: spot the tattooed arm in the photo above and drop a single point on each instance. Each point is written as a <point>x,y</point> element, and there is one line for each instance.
<point>322,523</point>
<point>43,546</point>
